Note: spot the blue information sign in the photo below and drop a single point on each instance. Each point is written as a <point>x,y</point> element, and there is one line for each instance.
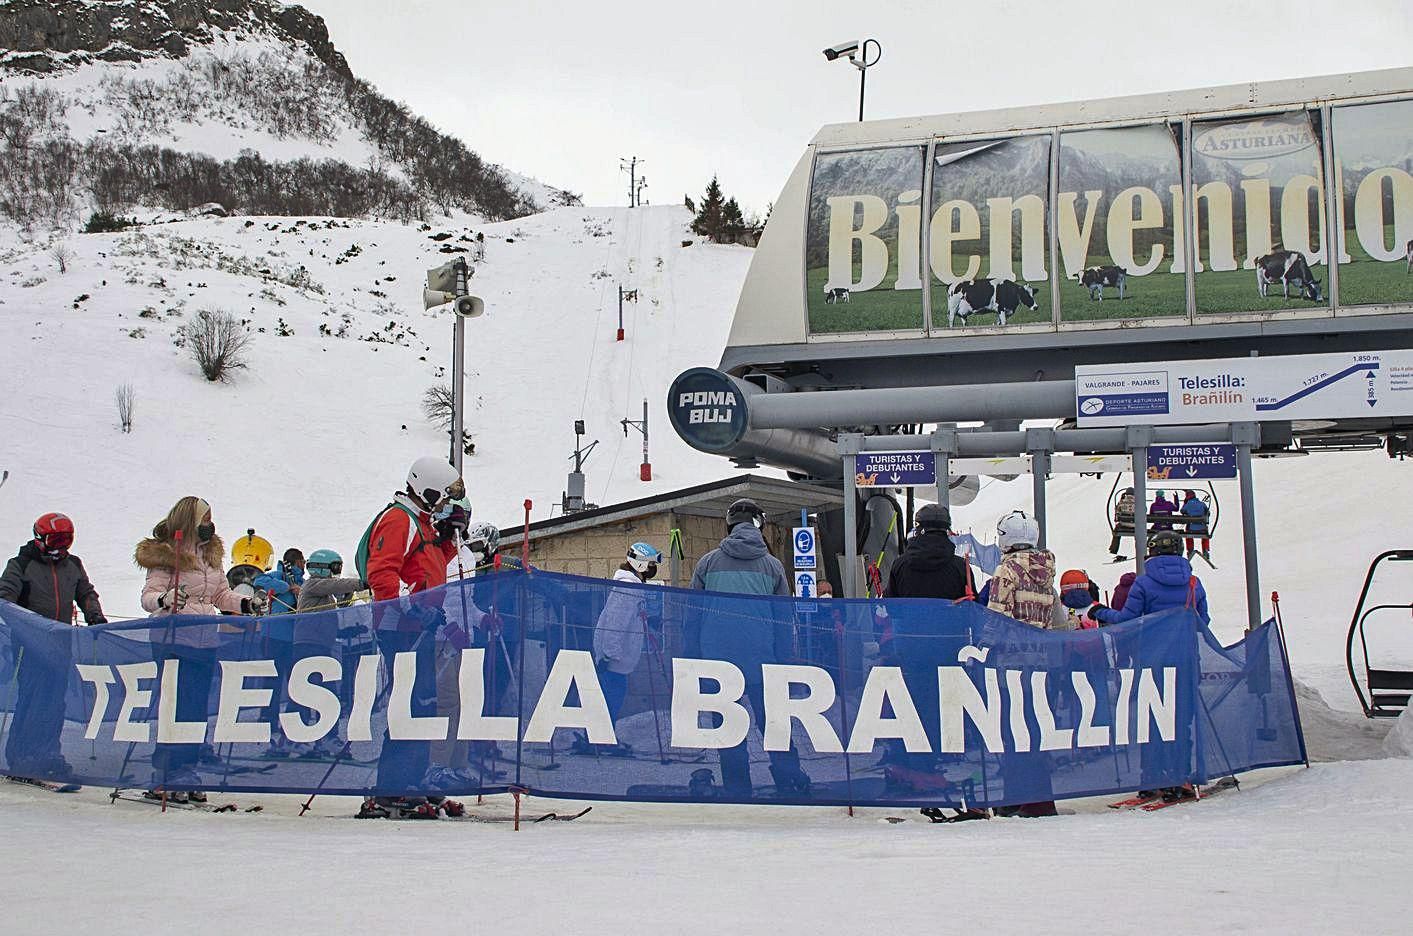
<point>896,469</point>
<point>1191,462</point>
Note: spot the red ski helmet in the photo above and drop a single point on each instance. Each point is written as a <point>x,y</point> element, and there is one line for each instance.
<point>54,534</point>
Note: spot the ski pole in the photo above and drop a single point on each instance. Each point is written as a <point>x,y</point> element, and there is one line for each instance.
<point>525,538</point>
<point>652,691</point>
<point>348,745</point>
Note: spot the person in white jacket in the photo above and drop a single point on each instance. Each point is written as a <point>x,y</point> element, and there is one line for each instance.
<point>619,634</point>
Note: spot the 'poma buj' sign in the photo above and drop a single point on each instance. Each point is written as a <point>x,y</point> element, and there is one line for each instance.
<point>1145,705</point>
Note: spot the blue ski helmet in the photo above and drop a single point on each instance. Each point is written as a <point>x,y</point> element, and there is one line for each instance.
<point>323,563</point>
<point>642,557</point>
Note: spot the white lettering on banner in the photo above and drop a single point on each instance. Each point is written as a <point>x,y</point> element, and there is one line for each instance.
<point>1147,699</point>
<point>689,702</point>
<point>781,710</point>
<point>474,725</point>
<point>365,692</point>
<point>169,730</point>
<point>318,699</point>
<point>134,698</point>
<point>885,686</point>
<point>101,677</point>
<point>572,669</point>
<point>402,724</point>
<point>235,696</point>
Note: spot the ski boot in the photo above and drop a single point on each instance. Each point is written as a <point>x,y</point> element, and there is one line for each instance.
<point>702,785</point>
<point>1177,794</point>
<point>372,809</point>
<point>790,781</point>
<point>452,809</point>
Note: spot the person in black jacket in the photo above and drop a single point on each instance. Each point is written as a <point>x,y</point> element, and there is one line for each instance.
<point>45,579</point>
<point>929,566</point>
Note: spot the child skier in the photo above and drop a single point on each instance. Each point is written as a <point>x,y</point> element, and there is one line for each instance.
<point>282,588</point>
<point>618,636</point>
<point>1192,506</point>
<point>45,579</point>
<point>317,634</point>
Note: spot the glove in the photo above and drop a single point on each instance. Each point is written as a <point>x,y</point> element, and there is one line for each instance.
<point>431,619</point>
<point>453,524</point>
<point>257,604</point>
<point>456,636</point>
<point>173,599</point>
<point>98,620</point>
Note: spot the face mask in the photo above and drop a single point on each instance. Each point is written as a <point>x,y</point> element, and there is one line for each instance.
<point>205,532</point>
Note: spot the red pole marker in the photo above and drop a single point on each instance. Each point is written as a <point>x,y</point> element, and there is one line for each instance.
<point>525,539</point>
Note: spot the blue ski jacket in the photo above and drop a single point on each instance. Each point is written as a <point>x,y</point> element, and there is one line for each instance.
<point>1164,584</point>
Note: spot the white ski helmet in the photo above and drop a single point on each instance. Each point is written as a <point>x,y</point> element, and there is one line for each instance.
<point>483,539</point>
<point>433,481</point>
<point>1017,531</point>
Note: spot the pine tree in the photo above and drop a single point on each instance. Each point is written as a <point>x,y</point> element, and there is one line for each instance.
<point>691,205</point>
<point>709,221</point>
<point>733,223</point>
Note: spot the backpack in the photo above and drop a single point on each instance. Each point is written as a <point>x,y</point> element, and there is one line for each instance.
<point>360,557</point>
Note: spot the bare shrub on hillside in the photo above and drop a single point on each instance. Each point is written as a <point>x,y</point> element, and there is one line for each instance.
<point>218,342</point>
<point>61,254</point>
<point>437,405</point>
<point>124,396</point>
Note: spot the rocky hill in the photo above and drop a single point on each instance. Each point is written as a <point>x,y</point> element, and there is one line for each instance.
<point>124,106</point>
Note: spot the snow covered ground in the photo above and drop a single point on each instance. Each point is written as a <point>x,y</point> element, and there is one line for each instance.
<point>316,434</point>
<point>1309,851</point>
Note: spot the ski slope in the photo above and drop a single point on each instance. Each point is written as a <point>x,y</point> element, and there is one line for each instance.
<point>314,437</point>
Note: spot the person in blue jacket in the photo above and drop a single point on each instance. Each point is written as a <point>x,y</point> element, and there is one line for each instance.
<point>283,586</point>
<point>1167,582</point>
<point>716,630</point>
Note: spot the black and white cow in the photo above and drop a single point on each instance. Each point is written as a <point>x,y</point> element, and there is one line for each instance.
<point>984,295</point>
<point>836,294</point>
<point>1096,278</point>
<point>1289,268</point>
<point>1408,253</point>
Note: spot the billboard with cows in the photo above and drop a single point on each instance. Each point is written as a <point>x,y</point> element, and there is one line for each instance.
<point>976,220</point>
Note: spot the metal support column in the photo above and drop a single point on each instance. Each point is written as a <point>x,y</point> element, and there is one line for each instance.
<point>944,447</point>
<point>458,371</point>
<point>1248,436</point>
<point>849,446</point>
<point>1138,440</point>
<point>1040,445</point>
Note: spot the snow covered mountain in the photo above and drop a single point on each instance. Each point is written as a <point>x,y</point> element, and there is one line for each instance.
<point>124,106</point>
<point>318,431</point>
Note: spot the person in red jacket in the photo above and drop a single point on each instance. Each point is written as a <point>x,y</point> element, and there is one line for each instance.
<point>410,544</point>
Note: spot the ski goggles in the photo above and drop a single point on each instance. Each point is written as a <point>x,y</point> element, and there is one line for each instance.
<point>333,568</point>
<point>454,492</point>
<point>57,542</point>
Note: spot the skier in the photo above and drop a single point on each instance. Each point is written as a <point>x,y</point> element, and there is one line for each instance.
<point>1121,589</point>
<point>1192,506</point>
<point>1159,509</point>
<point>410,542</point>
<point>316,631</point>
<point>1167,582</point>
<point>743,564</point>
<point>619,635</point>
<point>1077,593</point>
<point>1023,586</point>
<point>281,586</point>
<point>929,567</point>
<point>45,579</point>
<point>1123,522</point>
<point>184,577</point>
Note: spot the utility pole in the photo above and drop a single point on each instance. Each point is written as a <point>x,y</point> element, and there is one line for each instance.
<point>629,164</point>
<point>447,286</point>
<point>620,314</point>
<point>645,471</point>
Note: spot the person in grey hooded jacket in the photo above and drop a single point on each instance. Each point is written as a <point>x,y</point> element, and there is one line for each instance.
<point>742,564</point>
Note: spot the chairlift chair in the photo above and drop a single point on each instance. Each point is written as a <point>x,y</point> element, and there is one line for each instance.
<point>1208,497</point>
<point>1384,692</point>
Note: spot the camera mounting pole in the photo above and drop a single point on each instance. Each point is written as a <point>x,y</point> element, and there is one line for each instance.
<point>447,285</point>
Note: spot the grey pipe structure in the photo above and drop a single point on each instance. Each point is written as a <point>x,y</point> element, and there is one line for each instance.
<point>1050,399</point>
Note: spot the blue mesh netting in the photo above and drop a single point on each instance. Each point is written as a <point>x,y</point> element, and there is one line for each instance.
<point>865,702</point>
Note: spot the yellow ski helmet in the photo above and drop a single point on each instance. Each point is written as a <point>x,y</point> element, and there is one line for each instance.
<point>252,550</point>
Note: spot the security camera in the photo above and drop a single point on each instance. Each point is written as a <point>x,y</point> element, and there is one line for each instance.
<point>843,48</point>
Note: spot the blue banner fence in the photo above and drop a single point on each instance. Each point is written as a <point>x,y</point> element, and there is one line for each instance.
<point>710,697</point>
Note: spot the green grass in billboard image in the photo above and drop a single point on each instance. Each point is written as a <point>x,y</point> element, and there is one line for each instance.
<point>1157,295</point>
<point>882,308</point>
<point>1366,281</point>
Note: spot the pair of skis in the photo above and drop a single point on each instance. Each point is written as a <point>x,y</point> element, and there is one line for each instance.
<point>1154,803</point>
<point>188,805</point>
<point>49,785</point>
